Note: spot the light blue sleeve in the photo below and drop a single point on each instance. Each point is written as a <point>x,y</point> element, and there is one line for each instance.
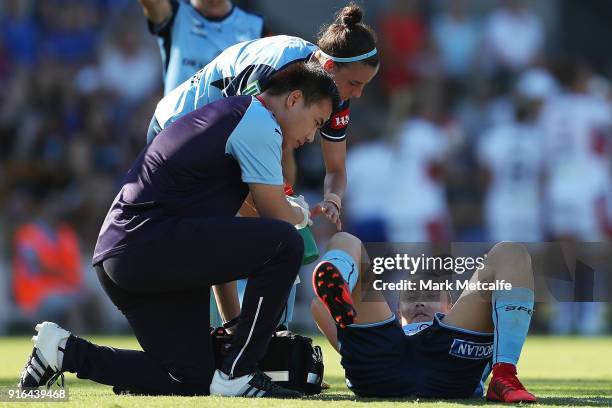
<point>256,144</point>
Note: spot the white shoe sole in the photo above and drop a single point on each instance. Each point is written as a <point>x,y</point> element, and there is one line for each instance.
<point>229,388</point>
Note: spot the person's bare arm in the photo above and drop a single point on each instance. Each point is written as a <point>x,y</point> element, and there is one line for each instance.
<point>334,154</point>
<point>156,11</point>
<point>270,202</point>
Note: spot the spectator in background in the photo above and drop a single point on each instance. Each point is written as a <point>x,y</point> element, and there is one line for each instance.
<point>456,36</point>
<point>129,69</point>
<point>417,207</point>
<point>19,32</point>
<point>16,121</point>
<point>97,161</point>
<point>192,33</point>
<point>537,84</point>
<point>403,34</point>
<point>70,30</point>
<point>39,123</point>
<point>510,156</point>
<point>577,128</point>
<point>603,88</point>
<point>513,36</point>
<point>487,103</point>
<point>368,169</point>
<point>126,71</point>
<point>47,270</point>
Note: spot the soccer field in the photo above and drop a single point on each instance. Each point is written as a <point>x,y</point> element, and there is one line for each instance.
<point>561,371</point>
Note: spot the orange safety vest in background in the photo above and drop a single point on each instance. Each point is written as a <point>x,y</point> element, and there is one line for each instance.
<point>60,255</point>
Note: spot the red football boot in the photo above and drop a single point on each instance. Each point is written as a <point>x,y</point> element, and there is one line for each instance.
<point>506,387</point>
<point>334,292</point>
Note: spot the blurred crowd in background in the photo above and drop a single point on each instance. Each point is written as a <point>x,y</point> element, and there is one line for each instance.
<point>485,123</point>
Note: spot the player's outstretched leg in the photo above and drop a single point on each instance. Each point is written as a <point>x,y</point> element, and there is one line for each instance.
<point>509,311</point>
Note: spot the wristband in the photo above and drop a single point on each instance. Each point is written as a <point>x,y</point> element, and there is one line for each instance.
<point>333,198</point>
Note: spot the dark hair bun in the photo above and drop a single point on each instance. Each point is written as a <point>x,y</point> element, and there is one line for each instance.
<point>350,15</point>
<point>348,36</point>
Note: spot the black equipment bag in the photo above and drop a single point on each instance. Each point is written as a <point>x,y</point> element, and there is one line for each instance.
<point>291,360</point>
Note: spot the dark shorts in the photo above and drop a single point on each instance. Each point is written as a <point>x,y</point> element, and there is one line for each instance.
<point>440,361</point>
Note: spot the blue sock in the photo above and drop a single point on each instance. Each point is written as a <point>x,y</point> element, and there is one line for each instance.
<point>345,264</point>
<point>512,310</point>
<point>287,315</point>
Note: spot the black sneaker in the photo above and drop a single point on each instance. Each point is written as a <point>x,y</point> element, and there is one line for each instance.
<point>254,385</point>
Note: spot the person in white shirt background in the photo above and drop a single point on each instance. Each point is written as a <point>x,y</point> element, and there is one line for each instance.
<point>516,21</point>
<point>418,209</point>
<point>510,156</point>
<point>576,128</point>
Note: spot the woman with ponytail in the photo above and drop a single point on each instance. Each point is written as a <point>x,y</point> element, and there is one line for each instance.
<point>346,49</point>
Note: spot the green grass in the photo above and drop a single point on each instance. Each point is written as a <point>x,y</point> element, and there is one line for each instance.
<point>561,371</point>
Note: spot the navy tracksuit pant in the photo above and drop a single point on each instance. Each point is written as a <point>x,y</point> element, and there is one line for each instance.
<point>162,289</point>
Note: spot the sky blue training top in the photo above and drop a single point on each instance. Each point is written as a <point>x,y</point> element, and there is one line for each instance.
<point>245,69</point>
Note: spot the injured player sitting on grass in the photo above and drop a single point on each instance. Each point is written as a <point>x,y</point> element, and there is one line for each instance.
<point>447,352</point>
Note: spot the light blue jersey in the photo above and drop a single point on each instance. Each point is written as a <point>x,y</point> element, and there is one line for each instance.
<point>257,152</point>
<point>188,41</point>
<point>243,69</point>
